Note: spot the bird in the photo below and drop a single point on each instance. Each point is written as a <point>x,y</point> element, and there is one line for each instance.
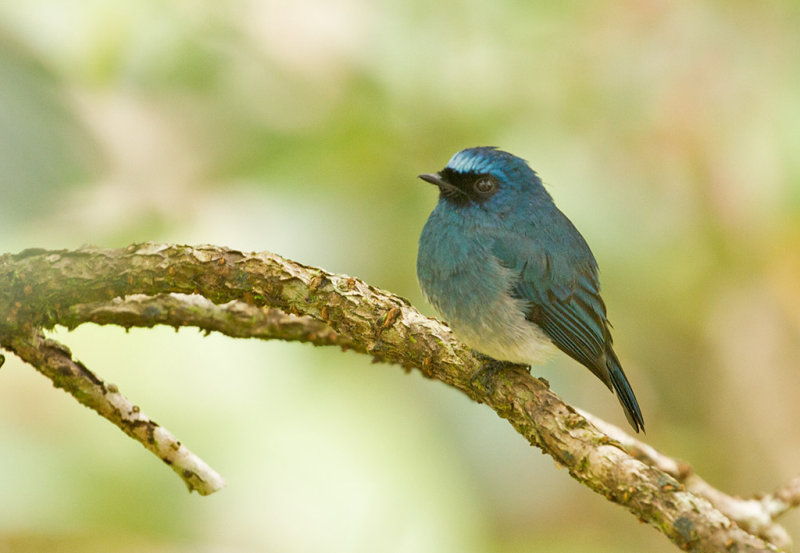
<point>510,273</point>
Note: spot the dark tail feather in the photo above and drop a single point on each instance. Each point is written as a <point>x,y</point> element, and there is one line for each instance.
<point>624,393</point>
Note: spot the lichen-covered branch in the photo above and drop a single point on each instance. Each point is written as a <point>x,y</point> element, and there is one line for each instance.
<point>235,318</point>
<point>43,288</point>
<point>54,360</point>
<point>755,515</point>
<point>785,497</point>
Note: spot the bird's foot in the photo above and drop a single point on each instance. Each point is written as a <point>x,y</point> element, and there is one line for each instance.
<point>484,376</point>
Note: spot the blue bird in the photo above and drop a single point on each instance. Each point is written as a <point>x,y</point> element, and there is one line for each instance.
<point>511,274</point>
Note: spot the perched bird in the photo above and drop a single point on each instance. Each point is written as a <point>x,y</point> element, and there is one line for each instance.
<point>511,274</point>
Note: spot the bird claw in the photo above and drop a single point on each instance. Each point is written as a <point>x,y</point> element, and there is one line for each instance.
<point>484,376</point>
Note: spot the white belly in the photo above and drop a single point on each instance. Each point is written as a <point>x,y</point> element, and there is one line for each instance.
<point>502,332</point>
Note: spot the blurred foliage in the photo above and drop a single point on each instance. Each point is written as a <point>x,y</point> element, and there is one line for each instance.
<point>668,131</point>
<point>43,146</point>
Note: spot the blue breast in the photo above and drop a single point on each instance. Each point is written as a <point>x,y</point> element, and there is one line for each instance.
<point>470,289</point>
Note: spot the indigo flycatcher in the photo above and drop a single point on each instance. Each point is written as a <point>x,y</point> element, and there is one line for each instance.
<point>511,274</point>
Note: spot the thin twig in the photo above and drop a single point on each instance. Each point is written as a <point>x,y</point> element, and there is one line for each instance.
<point>784,498</point>
<point>54,360</point>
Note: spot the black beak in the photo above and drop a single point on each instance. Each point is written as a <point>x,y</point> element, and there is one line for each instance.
<point>445,188</point>
<point>433,178</point>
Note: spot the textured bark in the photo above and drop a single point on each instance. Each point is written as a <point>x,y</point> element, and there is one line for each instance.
<point>55,361</point>
<point>266,296</point>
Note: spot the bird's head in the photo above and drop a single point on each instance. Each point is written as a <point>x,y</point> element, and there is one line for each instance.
<point>484,176</point>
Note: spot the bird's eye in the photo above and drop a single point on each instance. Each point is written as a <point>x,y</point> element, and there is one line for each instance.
<point>485,185</point>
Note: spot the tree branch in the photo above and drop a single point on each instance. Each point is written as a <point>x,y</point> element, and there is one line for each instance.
<point>235,318</point>
<point>42,288</point>
<point>756,516</point>
<point>54,360</point>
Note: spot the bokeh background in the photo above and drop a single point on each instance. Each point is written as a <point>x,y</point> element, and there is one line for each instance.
<point>668,131</point>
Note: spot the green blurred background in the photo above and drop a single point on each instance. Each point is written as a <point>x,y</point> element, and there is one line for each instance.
<point>668,131</point>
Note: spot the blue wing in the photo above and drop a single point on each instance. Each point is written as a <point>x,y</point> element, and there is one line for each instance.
<point>558,277</point>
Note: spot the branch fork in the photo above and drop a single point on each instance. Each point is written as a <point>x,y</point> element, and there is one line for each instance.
<point>265,296</point>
